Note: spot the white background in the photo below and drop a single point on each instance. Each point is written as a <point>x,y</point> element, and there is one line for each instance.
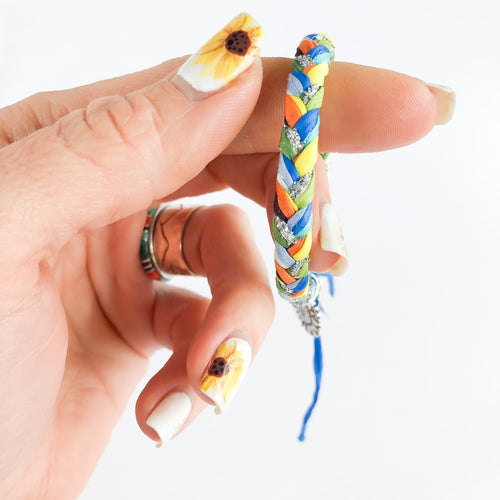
<point>410,403</point>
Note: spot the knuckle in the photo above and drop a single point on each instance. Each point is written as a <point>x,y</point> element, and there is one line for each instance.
<point>227,215</point>
<point>31,114</point>
<point>109,117</point>
<point>131,119</point>
<point>44,108</point>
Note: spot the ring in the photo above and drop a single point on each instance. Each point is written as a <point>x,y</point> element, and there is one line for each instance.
<point>161,251</point>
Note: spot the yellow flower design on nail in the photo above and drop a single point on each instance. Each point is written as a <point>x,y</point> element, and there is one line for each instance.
<point>225,372</point>
<point>232,49</point>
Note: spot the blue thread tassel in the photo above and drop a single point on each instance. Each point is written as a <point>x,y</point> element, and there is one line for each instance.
<point>318,364</point>
<point>329,277</point>
<point>318,370</point>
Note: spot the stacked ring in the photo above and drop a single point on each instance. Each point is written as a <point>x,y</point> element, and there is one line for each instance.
<point>161,250</point>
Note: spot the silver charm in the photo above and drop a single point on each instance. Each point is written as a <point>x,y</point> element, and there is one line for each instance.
<point>307,308</point>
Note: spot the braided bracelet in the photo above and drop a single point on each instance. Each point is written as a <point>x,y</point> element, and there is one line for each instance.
<point>293,213</point>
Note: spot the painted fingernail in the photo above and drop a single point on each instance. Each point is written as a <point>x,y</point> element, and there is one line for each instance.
<point>332,239</point>
<point>221,59</point>
<point>169,416</point>
<point>226,371</point>
<point>446,99</point>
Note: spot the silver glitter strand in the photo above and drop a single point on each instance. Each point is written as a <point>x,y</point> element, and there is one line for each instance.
<point>294,138</point>
<point>304,60</point>
<point>320,36</point>
<point>285,231</point>
<point>308,94</point>
<point>298,187</point>
<point>296,268</point>
<point>286,288</point>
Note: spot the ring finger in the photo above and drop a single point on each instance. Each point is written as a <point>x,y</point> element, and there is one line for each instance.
<point>213,343</point>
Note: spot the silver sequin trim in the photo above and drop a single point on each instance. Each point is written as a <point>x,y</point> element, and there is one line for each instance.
<point>308,94</point>
<point>320,36</point>
<point>286,288</point>
<point>294,270</point>
<point>293,136</point>
<point>285,231</point>
<point>298,187</point>
<point>304,60</point>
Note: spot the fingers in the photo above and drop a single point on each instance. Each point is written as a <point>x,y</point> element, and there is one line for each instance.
<point>364,109</point>
<point>44,109</point>
<point>169,403</point>
<point>113,158</point>
<point>213,345</point>
<point>242,306</point>
<point>254,176</point>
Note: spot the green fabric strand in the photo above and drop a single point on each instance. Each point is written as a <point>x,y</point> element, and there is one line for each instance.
<point>303,270</point>
<point>326,43</point>
<point>278,237</point>
<point>316,100</point>
<point>279,287</point>
<point>307,196</point>
<point>296,66</point>
<point>285,147</point>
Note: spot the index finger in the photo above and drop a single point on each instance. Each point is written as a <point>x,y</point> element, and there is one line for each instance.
<point>365,108</point>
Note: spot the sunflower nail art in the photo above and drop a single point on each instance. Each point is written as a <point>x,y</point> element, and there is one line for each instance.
<point>225,55</point>
<point>226,371</point>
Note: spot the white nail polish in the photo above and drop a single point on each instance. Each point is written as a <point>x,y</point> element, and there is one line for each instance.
<point>169,416</point>
<point>332,239</point>
<point>221,59</point>
<point>226,371</point>
<point>446,99</point>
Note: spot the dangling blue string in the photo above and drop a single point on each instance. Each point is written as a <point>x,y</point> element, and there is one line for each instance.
<point>318,370</point>
<point>318,364</point>
<point>329,277</point>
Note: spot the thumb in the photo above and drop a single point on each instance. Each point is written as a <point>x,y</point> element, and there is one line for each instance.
<point>113,158</point>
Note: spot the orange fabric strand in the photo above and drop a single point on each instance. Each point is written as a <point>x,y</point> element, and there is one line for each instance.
<point>284,276</point>
<point>284,201</point>
<point>292,112</point>
<point>306,45</point>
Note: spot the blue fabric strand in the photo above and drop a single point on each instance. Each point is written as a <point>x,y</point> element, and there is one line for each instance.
<point>307,123</point>
<point>290,167</point>
<point>318,50</point>
<point>294,86</point>
<point>300,219</point>
<point>303,79</point>
<point>313,133</point>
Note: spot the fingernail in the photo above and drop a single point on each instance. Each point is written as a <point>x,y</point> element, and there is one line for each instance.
<point>226,371</point>
<point>445,102</point>
<point>221,59</point>
<point>169,416</point>
<point>332,239</point>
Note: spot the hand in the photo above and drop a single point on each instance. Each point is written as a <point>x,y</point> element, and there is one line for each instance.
<point>78,317</point>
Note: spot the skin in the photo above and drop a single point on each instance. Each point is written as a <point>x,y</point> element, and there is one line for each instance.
<point>78,317</point>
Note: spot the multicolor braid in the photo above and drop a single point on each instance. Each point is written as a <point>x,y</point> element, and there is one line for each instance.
<point>293,217</point>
